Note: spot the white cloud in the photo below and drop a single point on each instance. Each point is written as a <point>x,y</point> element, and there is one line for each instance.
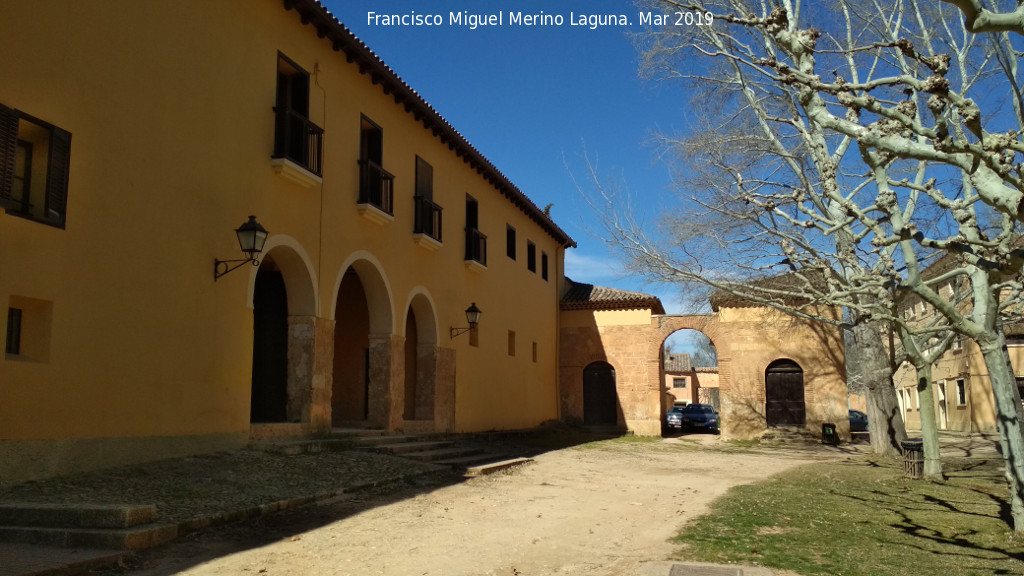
<point>590,269</point>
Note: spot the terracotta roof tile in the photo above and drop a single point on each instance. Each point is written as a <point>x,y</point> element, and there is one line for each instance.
<point>678,363</point>
<point>589,297</point>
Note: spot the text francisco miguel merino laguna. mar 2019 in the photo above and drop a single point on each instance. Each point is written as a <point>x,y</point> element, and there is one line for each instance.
<point>510,18</point>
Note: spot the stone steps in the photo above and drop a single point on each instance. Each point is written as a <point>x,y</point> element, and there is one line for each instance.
<point>472,458</point>
<point>339,439</point>
<point>444,455</point>
<point>492,467</point>
<point>114,527</point>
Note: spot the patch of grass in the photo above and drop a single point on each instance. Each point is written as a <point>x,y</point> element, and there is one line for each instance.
<point>861,518</point>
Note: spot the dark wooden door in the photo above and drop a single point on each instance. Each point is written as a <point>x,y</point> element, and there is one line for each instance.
<point>784,394</point>
<point>269,349</point>
<point>600,399</point>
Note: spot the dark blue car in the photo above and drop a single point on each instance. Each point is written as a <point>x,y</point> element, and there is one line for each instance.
<point>699,417</point>
<point>858,421</point>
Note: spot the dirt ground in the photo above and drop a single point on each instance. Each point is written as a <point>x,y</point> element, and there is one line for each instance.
<point>599,509</point>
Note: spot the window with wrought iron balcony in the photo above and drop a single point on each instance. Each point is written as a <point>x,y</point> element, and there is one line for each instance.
<point>476,241</point>
<point>376,185</point>
<point>298,143</point>
<point>428,215</point>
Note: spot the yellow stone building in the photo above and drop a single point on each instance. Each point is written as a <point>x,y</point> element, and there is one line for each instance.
<point>136,136</point>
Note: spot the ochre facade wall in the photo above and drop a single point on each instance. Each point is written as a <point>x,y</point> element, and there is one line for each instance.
<point>619,338</point>
<point>131,349</point>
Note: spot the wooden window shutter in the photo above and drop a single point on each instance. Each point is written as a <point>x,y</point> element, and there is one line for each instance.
<point>8,152</point>
<point>424,179</point>
<point>57,175</point>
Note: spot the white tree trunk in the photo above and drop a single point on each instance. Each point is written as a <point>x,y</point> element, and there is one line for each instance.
<point>929,428</point>
<point>1008,418</point>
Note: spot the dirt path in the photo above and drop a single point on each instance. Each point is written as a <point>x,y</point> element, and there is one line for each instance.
<point>598,511</point>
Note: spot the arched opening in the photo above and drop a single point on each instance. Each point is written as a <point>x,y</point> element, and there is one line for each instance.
<point>784,394</point>
<point>284,314</point>
<point>600,398</point>
<point>350,394</point>
<point>269,347</point>
<point>420,360</point>
<point>689,361</point>
<point>365,388</point>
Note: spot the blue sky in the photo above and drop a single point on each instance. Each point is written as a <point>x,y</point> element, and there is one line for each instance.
<point>536,101</point>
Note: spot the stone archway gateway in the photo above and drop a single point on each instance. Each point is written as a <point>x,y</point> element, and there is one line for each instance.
<point>784,394</point>
<point>600,399</point>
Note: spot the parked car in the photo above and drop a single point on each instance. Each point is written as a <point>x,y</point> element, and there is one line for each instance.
<point>858,421</point>
<point>673,418</point>
<point>699,417</point>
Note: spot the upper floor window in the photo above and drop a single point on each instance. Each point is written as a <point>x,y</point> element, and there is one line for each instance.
<point>295,137</point>
<point>679,382</point>
<point>544,265</point>
<point>13,345</point>
<point>531,256</point>
<point>428,214</point>
<point>376,186</point>
<point>35,158</point>
<point>476,241</point>
<point>510,241</point>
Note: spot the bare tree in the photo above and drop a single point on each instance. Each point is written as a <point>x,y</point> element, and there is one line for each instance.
<point>861,229</point>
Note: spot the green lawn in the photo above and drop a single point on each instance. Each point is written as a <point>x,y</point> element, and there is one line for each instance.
<point>863,518</point>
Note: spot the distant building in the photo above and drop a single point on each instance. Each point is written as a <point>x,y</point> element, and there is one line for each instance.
<point>963,396</point>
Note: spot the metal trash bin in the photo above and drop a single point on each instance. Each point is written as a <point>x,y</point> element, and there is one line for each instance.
<point>913,458</point>
<point>829,435</point>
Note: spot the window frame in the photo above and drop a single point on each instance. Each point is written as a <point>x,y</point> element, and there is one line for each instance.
<point>12,343</point>
<point>54,191</point>
<point>510,241</point>
<point>296,138</point>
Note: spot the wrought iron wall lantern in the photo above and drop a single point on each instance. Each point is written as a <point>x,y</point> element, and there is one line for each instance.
<point>251,238</point>
<point>472,316</point>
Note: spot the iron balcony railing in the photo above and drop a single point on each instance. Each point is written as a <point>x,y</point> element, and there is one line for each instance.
<point>476,246</point>
<point>298,140</point>
<point>376,186</point>
<point>428,218</point>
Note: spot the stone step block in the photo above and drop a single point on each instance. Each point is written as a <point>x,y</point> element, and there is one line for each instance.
<point>76,515</point>
<point>444,453</point>
<point>492,467</point>
<point>404,448</point>
<point>136,538</point>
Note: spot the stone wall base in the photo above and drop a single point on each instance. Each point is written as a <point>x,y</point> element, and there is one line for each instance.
<point>644,427</point>
<point>23,460</point>
<point>420,427</point>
